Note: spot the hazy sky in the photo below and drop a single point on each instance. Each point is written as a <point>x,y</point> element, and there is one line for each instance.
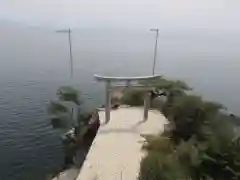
<point>211,14</point>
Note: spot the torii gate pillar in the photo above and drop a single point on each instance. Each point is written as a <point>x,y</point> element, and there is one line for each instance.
<point>108,101</point>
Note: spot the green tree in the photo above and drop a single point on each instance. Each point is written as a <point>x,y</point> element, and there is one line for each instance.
<point>133,98</point>
<point>165,161</point>
<point>168,88</point>
<point>189,115</point>
<point>67,93</point>
<point>65,107</point>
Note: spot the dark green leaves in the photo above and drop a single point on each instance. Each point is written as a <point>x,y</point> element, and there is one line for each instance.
<point>67,93</point>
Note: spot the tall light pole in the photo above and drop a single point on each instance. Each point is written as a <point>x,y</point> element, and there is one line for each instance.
<point>155,50</point>
<point>70,47</point>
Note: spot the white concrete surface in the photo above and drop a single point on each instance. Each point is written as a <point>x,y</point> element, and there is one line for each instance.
<point>67,174</point>
<point>116,150</point>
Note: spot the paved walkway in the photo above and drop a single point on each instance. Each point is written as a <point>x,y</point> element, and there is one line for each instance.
<point>116,150</point>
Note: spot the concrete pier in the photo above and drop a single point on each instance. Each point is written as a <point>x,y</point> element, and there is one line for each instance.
<point>116,150</point>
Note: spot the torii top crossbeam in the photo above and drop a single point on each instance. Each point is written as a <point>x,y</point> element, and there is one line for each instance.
<point>110,87</point>
<point>108,78</point>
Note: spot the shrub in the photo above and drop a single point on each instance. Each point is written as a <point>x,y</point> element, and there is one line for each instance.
<point>217,158</point>
<point>84,117</point>
<point>164,161</point>
<point>62,109</point>
<point>189,114</point>
<point>158,167</point>
<point>55,108</point>
<point>67,93</point>
<point>165,84</point>
<point>201,143</point>
<point>158,143</point>
<point>133,98</point>
<point>221,158</point>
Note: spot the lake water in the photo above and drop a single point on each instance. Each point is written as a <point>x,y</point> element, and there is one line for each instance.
<point>34,63</point>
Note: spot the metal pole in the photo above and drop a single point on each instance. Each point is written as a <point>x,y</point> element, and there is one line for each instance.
<point>70,50</point>
<point>155,50</point>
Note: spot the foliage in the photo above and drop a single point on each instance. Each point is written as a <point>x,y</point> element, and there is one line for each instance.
<point>170,87</point>
<point>189,114</point>
<point>221,158</point>
<point>201,142</point>
<point>133,98</point>
<point>155,166</point>
<point>84,117</point>
<point>216,158</point>
<point>61,110</point>
<point>164,161</point>
<point>61,122</point>
<point>115,100</point>
<point>162,83</point>
<point>67,93</point>
<point>158,143</point>
<point>55,107</point>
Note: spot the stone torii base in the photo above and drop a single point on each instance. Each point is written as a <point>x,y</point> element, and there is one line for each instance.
<point>128,80</point>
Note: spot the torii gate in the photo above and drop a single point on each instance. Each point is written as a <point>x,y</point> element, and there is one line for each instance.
<point>110,87</point>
